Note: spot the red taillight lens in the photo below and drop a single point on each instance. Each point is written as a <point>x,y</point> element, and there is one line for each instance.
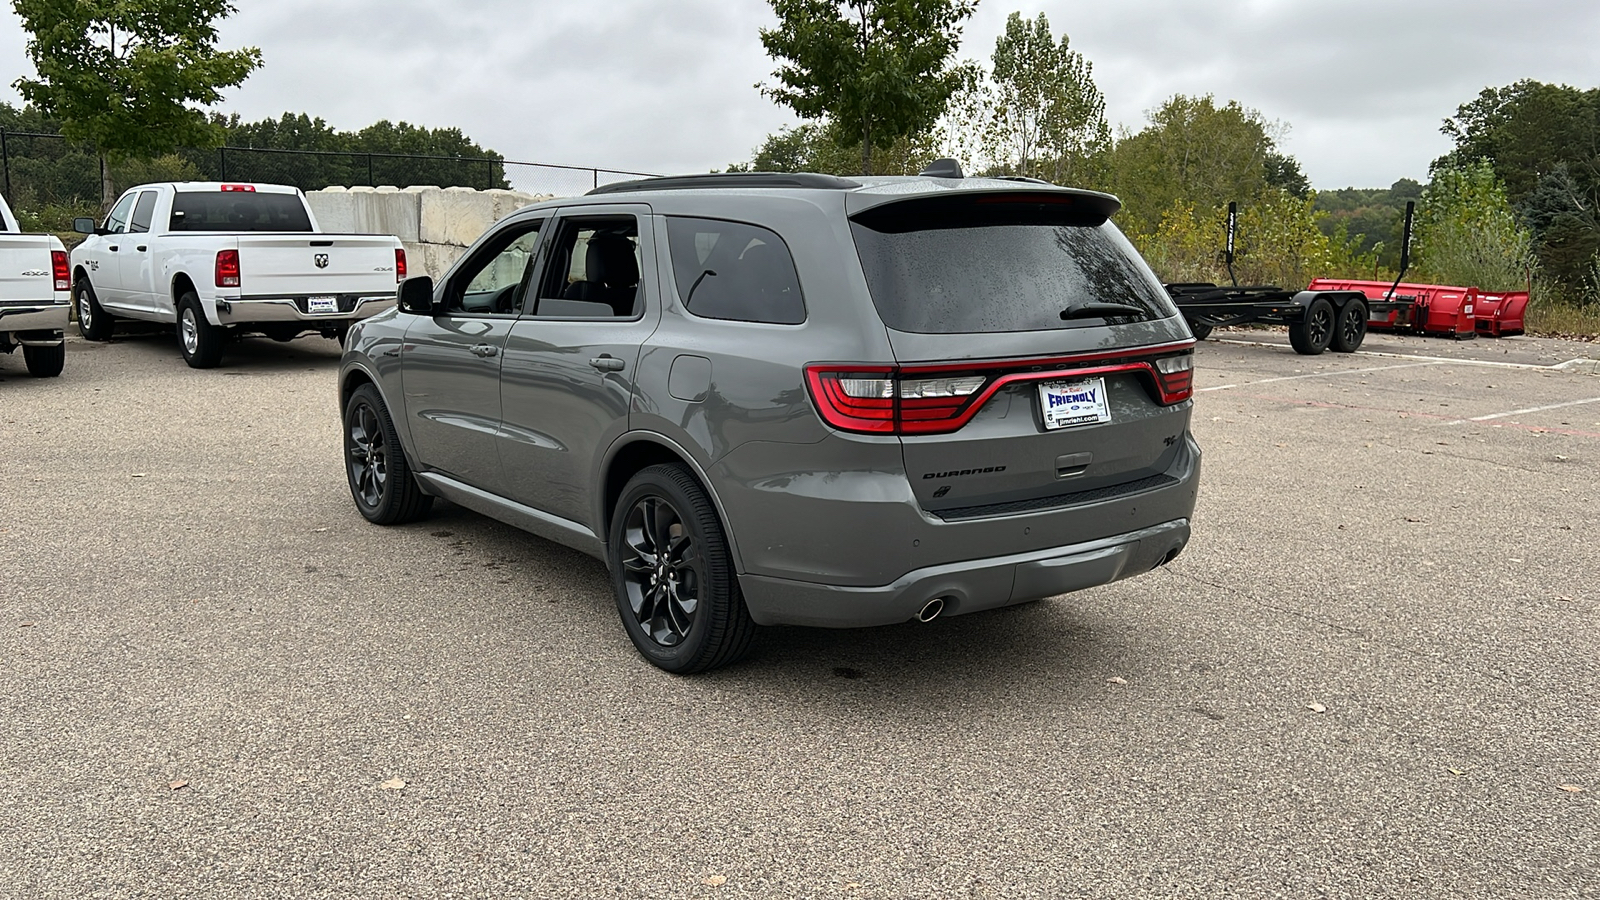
<point>228,268</point>
<point>1175,378</point>
<point>859,398</point>
<point>58,265</point>
<point>399,265</point>
<point>249,188</point>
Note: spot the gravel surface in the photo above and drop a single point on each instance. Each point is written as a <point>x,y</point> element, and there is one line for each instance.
<point>1374,673</point>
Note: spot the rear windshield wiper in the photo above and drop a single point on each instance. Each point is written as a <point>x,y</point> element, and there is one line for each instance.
<point>1102,310</point>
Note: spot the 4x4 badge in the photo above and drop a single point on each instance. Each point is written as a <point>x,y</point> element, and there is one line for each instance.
<point>321,259</point>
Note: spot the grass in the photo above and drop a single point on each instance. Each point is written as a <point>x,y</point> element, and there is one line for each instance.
<point>1557,319</point>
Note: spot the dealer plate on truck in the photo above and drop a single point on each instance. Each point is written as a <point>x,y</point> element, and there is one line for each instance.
<point>322,304</point>
<point>1071,403</point>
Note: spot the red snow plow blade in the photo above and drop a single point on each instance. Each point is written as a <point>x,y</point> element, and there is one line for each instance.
<point>1499,315</point>
<point>1423,308</point>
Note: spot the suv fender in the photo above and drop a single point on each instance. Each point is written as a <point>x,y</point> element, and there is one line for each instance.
<point>661,449</point>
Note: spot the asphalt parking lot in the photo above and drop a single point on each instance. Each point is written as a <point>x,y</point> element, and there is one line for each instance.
<point>1374,673</point>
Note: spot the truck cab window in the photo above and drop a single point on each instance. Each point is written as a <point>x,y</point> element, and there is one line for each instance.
<point>117,221</point>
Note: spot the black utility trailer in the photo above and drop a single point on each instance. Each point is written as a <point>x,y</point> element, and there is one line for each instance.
<point>1317,320</point>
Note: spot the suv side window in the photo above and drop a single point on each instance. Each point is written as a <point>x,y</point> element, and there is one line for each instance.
<point>593,272</point>
<point>733,270</point>
<point>143,211</point>
<point>117,221</point>
<point>491,284</point>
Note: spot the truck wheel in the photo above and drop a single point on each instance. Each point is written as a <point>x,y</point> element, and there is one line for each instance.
<point>94,323</point>
<point>1351,328</point>
<point>375,464</point>
<point>45,362</point>
<point>1314,331</point>
<point>673,575</point>
<point>200,341</point>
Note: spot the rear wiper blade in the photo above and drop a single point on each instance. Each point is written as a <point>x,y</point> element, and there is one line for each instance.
<point>1102,310</point>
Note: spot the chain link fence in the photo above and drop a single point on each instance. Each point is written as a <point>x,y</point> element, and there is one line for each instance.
<point>48,180</point>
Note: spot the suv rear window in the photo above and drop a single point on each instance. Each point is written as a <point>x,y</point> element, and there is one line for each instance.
<point>238,211</point>
<point>1001,262</point>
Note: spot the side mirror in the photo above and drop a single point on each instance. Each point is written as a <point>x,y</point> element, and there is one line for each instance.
<point>83,225</point>
<point>416,295</point>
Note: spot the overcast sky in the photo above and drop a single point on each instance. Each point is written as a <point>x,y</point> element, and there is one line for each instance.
<point>667,86</point>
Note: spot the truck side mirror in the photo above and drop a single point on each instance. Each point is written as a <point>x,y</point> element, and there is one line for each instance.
<point>83,225</point>
<point>416,295</point>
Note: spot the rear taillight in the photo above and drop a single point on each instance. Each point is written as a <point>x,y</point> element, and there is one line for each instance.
<point>399,265</point>
<point>228,268</point>
<point>247,188</point>
<point>58,266</point>
<point>937,400</point>
<point>1175,378</point>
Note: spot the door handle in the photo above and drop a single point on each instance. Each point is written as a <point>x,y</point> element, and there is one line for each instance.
<point>141,248</point>
<point>112,248</point>
<point>608,364</point>
<point>485,351</point>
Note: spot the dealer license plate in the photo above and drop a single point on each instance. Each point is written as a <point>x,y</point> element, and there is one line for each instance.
<point>322,304</point>
<point>1067,404</point>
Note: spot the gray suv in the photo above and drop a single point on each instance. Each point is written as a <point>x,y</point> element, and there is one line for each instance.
<point>772,399</point>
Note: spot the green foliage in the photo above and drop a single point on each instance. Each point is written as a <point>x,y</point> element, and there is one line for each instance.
<point>1192,151</point>
<point>1467,233</point>
<point>124,76</point>
<point>812,147</point>
<point>1047,118</point>
<point>877,70</point>
<point>1279,242</point>
<point>1375,216</point>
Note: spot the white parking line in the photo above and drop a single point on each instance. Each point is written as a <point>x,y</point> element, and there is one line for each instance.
<point>1569,364</point>
<point>1223,387</point>
<point>1524,412</point>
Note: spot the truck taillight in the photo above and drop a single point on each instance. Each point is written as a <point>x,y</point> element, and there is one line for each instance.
<point>399,265</point>
<point>58,265</point>
<point>228,268</point>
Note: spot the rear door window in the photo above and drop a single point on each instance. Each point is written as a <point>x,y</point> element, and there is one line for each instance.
<point>238,211</point>
<point>1002,262</point>
<point>733,270</point>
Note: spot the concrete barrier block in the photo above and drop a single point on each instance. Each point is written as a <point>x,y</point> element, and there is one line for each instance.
<point>334,209</point>
<point>454,216</point>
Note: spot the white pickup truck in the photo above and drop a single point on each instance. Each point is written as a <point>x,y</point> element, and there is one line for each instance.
<point>34,296</point>
<point>223,260</point>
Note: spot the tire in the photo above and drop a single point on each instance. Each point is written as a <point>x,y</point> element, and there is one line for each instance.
<point>380,478</point>
<point>1201,330</point>
<point>1350,328</point>
<point>45,362</point>
<point>198,340</point>
<point>94,323</point>
<point>1311,335</point>
<point>682,609</point>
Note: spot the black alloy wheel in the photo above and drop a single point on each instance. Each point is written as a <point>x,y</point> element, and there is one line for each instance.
<point>375,464</point>
<point>1351,329</point>
<point>1311,335</point>
<point>673,575</point>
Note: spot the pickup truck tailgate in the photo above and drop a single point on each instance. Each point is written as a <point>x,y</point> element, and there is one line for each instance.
<point>25,269</point>
<point>299,265</point>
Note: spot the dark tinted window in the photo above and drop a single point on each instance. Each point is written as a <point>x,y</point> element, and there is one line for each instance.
<point>238,211</point>
<point>142,211</point>
<point>994,263</point>
<point>730,270</point>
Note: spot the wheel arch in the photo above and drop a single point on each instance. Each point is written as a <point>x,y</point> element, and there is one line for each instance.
<point>182,284</point>
<point>637,450</point>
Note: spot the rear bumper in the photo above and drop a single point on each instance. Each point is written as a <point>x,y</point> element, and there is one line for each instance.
<point>51,317</point>
<point>965,587</point>
<point>294,309</point>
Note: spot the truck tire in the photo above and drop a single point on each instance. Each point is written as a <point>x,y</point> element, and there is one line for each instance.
<point>1350,329</point>
<point>94,323</point>
<point>45,362</point>
<point>1311,335</point>
<point>380,478</point>
<point>199,340</point>
<point>673,575</point>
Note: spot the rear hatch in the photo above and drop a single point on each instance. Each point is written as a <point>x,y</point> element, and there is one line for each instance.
<point>300,265</point>
<point>1029,323</point>
<point>26,269</point>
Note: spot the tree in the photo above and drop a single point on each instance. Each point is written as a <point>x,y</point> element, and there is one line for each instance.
<point>122,75</point>
<point>1195,151</point>
<point>878,70</point>
<point>812,147</point>
<point>1467,233</point>
<point>1048,117</point>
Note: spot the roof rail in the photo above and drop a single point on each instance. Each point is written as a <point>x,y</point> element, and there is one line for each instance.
<point>730,180</point>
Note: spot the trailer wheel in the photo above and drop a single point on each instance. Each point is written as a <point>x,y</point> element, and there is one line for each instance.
<point>1314,331</point>
<point>1351,328</point>
<point>1201,330</point>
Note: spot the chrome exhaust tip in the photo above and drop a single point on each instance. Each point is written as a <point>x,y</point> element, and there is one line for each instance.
<point>931,610</point>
